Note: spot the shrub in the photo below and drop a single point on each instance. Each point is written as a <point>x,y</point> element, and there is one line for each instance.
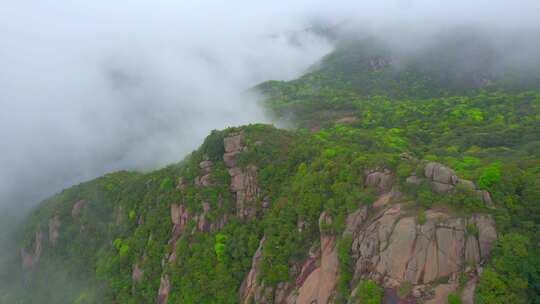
<point>213,145</point>
<point>421,217</point>
<point>490,175</point>
<point>369,292</point>
<point>344,277</point>
<point>472,230</point>
<point>453,299</point>
<point>425,198</point>
<point>166,184</point>
<point>404,289</point>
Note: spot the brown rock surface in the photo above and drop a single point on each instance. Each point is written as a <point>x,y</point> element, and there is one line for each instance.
<point>54,230</point>
<point>249,284</point>
<point>244,186</point>
<point>164,288</point>
<point>30,260</point>
<point>441,293</point>
<point>467,295</point>
<point>233,142</point>
<point>486,233</point>
<point>319,285</point>
<point>393,245</point>
<point>137,273</point>
<point>179,219</point>
<point>77,209</point>
<point>380,180</point>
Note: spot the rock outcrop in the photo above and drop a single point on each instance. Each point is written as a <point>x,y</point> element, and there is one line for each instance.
<point>244,187</point>
<point>467,295</point>
<point>393,248</point>
<point>136,273</point>
<point>444,179</point>
<point>179,219</point>
<point>202,219</point>
<point>249,285</point>
<point>319,285</point>
<point>54,230</point>
<point>233,147</point>
<point>77,209</point>
<point>164,288</point>
<point>243,179</point>
<point>382,180</point>
<point>30,259</point>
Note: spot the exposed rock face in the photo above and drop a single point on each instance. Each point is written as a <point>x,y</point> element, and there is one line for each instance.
<point>243,180</point>
<point>30,260</point>
<point>206,166</point>
<point>203,181</point>
<point>415,180</point>
<point>441,293</point>
<point>390,247</point>
<point>202,220</point>
<point>181,185</point>
<point>355,220</point>
<point>233,147</point>
<point>179,215</point>
<point>467,296</point>
<point>443,179</point>
<point>382,180</point>
<point>244,186</point>
<point>164,288</point>
<point>440,174</point>
<point>486,233</point>
<point>77,209</point>
<point>179,219</point>
<point>319,285</point>
<point>54,230</point>
<point>249,284</point>
<point>137,273</point>
<point>233,142</point>
<point>386,197</point>
<point>394,247</point>
<point>347,120</point>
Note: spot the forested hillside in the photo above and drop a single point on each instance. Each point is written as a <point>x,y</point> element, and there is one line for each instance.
<point>403,179</point>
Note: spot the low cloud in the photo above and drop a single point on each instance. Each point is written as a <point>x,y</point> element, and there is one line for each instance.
<point>87,87</point>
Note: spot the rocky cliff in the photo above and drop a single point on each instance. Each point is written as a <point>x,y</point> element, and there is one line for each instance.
<point>414,257</point>
<point>415,260</point>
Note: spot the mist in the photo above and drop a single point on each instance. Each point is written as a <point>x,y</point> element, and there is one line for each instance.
<point>92,87</point>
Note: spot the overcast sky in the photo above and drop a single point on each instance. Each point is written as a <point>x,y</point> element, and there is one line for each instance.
<point>87,87</point>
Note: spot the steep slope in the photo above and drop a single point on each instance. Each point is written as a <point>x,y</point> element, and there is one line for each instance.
<point>424,196</point>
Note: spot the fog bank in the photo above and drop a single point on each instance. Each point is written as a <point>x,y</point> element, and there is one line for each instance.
<point>91,87</point>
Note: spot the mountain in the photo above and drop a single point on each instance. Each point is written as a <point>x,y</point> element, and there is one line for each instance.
<point>409,177</point>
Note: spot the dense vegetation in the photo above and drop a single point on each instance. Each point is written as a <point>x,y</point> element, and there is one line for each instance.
<point>356,111</point>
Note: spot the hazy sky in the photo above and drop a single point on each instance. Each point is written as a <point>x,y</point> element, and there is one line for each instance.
<point>87,87</point>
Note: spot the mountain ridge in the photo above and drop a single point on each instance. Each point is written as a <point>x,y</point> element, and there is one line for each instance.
<point>382,163</point>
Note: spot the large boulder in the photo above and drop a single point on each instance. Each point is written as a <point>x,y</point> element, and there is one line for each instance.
<point>394,246</point>
<point>382,180</point>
